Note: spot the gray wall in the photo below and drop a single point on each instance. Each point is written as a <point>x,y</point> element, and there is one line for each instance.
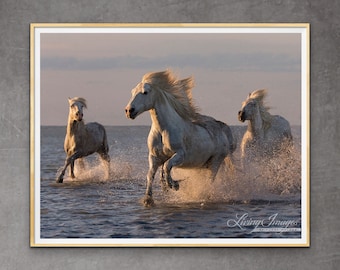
<point>15,17</point>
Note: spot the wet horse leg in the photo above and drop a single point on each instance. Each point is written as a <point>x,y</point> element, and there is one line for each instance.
<point>154,163</point>
<point>176,160</point>
<point>69,161</point>
<point>72,169</point>
<point>163,181</point>
<point>60,179</point>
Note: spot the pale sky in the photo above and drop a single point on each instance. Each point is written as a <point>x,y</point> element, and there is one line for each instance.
<point>103,68</point>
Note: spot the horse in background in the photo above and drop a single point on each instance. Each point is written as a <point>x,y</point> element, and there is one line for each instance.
<point>82,140</point>
<point>179,135</point>
<point>267,134</point>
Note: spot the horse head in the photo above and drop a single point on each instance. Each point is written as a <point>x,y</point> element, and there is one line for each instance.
<point>248,110</point>
<point>142,100</point>
<point>76,108</point>
<point>253,105</point>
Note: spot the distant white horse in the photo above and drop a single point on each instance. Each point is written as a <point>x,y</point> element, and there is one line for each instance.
<point>179,135</point>
<point>266,134</point>
<point>82,140</point>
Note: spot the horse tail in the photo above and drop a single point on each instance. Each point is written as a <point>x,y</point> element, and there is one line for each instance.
<point>231,139</point>
<point>105,143</point>
<point>233,144</point>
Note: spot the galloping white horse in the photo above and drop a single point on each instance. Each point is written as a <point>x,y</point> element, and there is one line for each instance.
<point>82,140</point>
<point>267,134</point>
<point>179,135</point>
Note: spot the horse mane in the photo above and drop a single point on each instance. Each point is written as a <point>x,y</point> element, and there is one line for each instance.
<point>177,92</point>
<point>78,99</point>
<point>259,96</point>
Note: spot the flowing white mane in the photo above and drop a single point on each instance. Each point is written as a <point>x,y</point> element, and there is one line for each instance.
<point>177,92</point>
<point>265,137</point>
<point>179,136</point>
<point>259,96</point>
<point>78,99</point>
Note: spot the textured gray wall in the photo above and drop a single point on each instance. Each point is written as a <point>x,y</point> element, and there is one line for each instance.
<point>15,16</point>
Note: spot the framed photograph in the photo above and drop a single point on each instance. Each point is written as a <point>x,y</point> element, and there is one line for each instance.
<point>176,135</point>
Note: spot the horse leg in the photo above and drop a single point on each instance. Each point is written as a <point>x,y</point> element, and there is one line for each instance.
<point>104,153</point>
<point>60,179</point>
<point>72,169</point>
<point>163,181</point>
<point>176,160</point>
<point>69,161</point>
<point>153,166</point>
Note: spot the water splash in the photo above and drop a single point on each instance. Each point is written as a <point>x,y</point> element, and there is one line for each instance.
<point>95,170</point>
<point>275,178</point>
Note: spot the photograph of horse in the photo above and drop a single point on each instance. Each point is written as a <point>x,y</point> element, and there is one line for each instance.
<point>266,135</point>
<point>82,139</point>
<point>179,135</point>
<point>166,156</point>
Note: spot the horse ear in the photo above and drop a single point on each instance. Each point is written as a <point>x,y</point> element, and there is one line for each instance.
<point>146,87</point>
<point>69,100</point>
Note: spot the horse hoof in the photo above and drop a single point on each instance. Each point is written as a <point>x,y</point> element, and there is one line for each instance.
<point>175,185</point>
<point>60,180</point>
<point>148,201</point>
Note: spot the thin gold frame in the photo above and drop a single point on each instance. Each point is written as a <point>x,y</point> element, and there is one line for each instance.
<point>33,217</point>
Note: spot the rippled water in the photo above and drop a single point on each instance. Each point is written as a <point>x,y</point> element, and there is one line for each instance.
<point>94,207</point>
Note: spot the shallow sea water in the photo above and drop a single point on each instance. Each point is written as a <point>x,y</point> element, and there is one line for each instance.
<point>236,205</point>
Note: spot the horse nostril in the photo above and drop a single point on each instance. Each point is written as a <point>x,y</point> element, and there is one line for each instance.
<point>131,110</point>
<point>241,116</point>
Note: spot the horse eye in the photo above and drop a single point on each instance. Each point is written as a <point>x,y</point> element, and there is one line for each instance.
<point>145,93</point>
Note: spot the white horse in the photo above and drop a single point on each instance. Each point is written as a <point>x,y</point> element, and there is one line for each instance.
<point>179,135</point>
<point>82,140</point>
<point>266,134</point>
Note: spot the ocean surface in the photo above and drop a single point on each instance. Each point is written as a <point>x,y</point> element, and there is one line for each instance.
<point>263,201</point>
